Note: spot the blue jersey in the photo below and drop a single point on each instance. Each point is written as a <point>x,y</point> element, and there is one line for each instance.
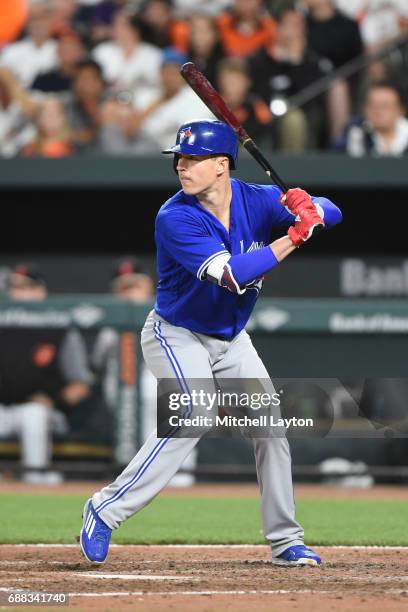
<point>189,237</point>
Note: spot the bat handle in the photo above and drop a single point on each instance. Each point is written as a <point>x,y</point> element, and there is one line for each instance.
<point>251,147</point>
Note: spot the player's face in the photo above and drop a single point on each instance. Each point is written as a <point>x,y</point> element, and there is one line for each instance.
<point>198,173</point>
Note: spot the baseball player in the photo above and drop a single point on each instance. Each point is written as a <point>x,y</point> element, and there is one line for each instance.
<point>212,251</point>
<point>44,375</point>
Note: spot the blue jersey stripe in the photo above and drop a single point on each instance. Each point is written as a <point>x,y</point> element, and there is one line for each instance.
<point>172,358</point>
<point>179,373</point>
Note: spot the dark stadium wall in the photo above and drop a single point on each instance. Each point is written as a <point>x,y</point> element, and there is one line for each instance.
<point>122,220</point>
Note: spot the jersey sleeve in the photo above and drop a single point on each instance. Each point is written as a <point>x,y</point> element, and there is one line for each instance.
<point>281,218</point>
<point>186,239</point>
<point>277,215</point>
<point>329,212</point>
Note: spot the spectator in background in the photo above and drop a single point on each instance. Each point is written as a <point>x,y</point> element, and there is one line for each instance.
<point>35,54</point>
<point>381,22</point>
<point>97,18</point>
<point>53,137</point>
<point>42,372</point>
<point>204,47</point>
<point>70,52</point>
<point>246,28</point>
<point>336,37</point>
<point>129,64</point>
<point>68,128</point>
<point>163,30</point>
<point>331,34</point>
<point>234,84</point>
<point>131,283</point>
<point>128,131</point>
<point>83,105</point>
<point>65,17</point>
<point>16,111</point>
<point>383,128</point>
<point>282,70</point>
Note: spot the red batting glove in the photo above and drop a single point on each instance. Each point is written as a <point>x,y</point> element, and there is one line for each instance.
<point>296,199</point>
<point>309,221</point>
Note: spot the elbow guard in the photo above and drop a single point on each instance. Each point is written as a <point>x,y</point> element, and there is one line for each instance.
<point>219,272</point>
<point>237,271</point>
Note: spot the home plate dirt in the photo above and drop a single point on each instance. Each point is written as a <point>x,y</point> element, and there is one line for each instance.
<point>194,578</point>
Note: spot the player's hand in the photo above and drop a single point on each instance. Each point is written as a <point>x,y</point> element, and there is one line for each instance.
<point>296,200</point>
<point>75,392</point>
<point>309,223</point>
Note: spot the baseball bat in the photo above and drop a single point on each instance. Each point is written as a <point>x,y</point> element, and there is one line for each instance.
<point>219,108</point>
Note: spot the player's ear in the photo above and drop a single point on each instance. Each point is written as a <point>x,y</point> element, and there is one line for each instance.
<point>222,165</point>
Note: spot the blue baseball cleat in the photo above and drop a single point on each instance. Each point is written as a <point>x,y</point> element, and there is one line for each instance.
<point>296,556</point>
<point>95,536</point>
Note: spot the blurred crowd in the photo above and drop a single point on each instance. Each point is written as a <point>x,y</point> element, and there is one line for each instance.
<point>103,76</point>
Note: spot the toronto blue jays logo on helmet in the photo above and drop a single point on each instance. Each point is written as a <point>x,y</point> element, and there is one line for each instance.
<point>186,133</point>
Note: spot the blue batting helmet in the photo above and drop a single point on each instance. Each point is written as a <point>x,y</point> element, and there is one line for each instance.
<point>206,137</point>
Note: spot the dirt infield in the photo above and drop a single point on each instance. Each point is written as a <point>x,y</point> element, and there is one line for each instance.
<point>219,489</point>
<point>210,578</point>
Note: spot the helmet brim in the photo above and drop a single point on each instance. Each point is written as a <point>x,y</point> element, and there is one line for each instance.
<point>175,149</point>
